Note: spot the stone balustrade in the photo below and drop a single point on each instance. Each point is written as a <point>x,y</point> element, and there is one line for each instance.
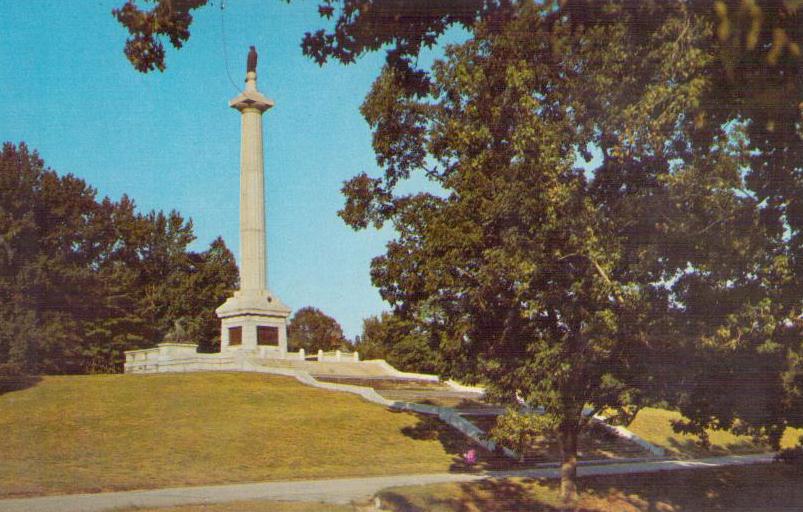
<point>338,355</point>
<point>182,357</point>
<point>174,357</point>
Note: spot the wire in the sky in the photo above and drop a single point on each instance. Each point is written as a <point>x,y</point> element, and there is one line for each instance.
<point>223,44</point>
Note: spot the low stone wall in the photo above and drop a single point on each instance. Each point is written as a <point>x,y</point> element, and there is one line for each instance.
<point>183,357</point>
<point>335,356</point>
<point>174,357</point>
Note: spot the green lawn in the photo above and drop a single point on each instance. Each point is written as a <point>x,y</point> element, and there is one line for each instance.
<point>112,432</point>
<point>109,432</point>
<point>654,425</point>
<point>751,488</point>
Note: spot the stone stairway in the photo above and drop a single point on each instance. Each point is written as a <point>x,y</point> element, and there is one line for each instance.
<point>346,369</point>
<point>414,391</point>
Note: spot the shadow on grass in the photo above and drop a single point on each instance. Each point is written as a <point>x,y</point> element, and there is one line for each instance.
<point>765,488</point>
<point>463,403</point>
<point>428,401</point>
<point>431,428</point>
<point>384,383</point>
<point>504,495</point>
<point>486,495</point>
<point>468,403</point>
<point>746,447</point>
<point>398,503</point>
<point>438,398</point>
<point>9,384</point>
<point>692,448</point>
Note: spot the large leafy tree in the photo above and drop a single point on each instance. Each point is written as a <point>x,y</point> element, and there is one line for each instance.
<point>52,235</point>
<point>313,330</point>
<point>405,343</point>
<point>213,278</point>
<point>554,283</point>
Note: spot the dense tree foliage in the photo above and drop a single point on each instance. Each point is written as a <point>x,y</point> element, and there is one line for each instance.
<point>561,285</point>
<point>405,343</point>
<point>311,329</point>
<point>168,18</point>
<point>81,280</point>
<point>757,42</point>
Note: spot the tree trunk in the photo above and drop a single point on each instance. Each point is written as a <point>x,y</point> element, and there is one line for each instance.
<point>568,467</point>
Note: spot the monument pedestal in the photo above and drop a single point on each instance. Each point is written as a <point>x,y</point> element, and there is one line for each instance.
<point>254,320</point>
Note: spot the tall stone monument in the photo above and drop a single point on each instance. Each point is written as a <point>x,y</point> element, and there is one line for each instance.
<point>253,319</point>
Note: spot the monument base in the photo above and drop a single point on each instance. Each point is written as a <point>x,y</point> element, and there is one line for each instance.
<point>256,321</point>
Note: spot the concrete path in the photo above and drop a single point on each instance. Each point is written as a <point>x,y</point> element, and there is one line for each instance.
<point>342,490</point>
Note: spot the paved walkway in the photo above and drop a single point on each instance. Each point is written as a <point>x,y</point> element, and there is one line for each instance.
<point>342,490</point>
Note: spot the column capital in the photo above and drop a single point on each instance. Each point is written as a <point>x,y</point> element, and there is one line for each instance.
<point>253,303</point>
<point>251,99</point>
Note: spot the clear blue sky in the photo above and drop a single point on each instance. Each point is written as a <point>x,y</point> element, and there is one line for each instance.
<point>170,141</point>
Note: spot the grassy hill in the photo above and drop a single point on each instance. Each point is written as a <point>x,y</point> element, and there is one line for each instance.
<point>110,432</point>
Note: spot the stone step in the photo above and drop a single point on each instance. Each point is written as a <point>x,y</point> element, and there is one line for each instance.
<point>330,369</point>
<point>384,383</point>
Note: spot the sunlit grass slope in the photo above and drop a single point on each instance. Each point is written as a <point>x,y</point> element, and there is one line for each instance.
<point>655,426</point>
<point>93,433</point>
